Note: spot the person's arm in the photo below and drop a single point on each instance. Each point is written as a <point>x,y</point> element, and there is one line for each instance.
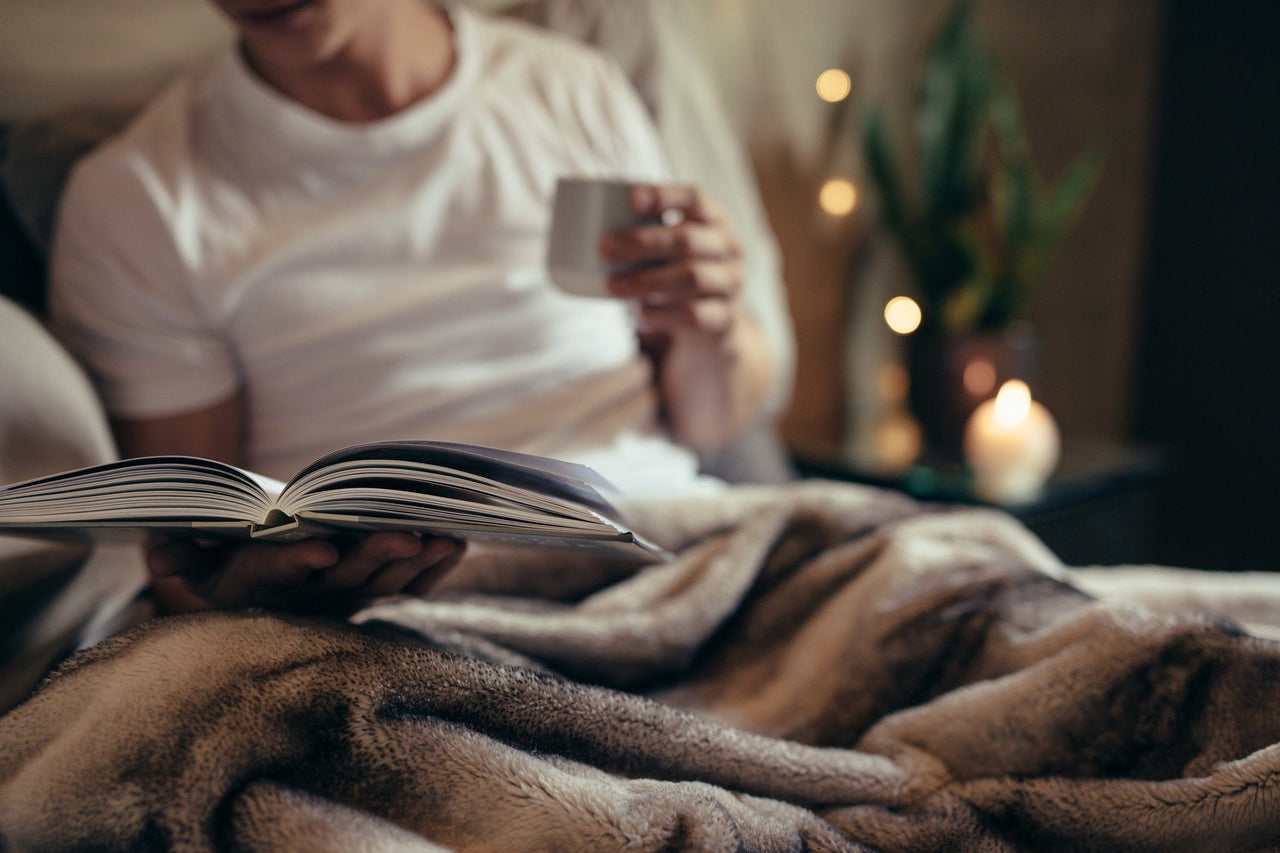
<point>312,575</point>
<point>215,432</point>
<point>714,366</point>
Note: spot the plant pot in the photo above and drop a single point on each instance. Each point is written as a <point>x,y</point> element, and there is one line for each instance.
<point>950,375</point>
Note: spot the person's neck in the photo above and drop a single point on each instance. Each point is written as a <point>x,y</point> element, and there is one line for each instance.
<point>391,64</point>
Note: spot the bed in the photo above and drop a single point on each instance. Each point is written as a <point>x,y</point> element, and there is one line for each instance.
<point>824,666</point>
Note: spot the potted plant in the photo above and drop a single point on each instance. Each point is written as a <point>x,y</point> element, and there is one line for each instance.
<point>976,227</point>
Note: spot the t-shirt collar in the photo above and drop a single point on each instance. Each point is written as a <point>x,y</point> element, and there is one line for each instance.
<point>304,129</point>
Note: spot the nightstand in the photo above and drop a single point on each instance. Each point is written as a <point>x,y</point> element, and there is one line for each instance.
<point>1097,509</point>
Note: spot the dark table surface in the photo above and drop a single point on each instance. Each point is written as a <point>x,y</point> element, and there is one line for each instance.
<point>1096,507</point>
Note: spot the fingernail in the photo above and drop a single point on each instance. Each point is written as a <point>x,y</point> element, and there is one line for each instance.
<point>642,198</point>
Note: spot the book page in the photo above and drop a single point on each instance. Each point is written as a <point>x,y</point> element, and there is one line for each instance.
<point>550,477</point>
<point>140,491</point>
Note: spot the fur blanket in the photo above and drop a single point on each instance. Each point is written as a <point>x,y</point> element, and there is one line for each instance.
<point>823,667</point>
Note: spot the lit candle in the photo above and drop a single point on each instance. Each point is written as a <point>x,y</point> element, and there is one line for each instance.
<point>1011,443</point>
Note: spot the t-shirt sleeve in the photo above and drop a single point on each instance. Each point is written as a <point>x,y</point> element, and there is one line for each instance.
<point>637,149</point>
<point>122,301</point>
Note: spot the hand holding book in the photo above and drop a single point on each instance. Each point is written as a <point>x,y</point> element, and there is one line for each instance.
<point>377,519</point>
<point>461,491</point>
<point>309,576</point>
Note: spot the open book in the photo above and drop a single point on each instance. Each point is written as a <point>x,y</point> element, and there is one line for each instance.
<point>423,486</point>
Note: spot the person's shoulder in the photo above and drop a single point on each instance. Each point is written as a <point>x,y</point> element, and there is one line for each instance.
<point>146,157</point>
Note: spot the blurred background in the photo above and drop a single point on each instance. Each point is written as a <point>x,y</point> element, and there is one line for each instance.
<point>1154,321</point>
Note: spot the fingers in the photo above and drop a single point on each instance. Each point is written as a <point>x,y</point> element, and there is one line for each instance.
<point>424,582</point>
<point>690,295</point>
<point>310,575</point>
<point>267,563</point>
<point>692,273</point>
<point>390,563</point>
<point>689,199</point>
<point>670,243</point>
<point>711,317</point>
<point>678,283</point>
<point>264,574</point>
<point>368,556</point>
<point>292,564</point>
<point>417,574</point>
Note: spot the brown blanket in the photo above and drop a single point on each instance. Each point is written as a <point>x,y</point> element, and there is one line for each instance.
<point>824,667</point>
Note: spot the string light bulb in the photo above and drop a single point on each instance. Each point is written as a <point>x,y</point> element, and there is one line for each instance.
<point>834,85</point>
<point>979,377</point>
<point>902,315</point>
<point>838,197</point>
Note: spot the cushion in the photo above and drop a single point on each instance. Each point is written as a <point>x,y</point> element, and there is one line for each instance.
<point>51,417</point>
<point>53,597</point>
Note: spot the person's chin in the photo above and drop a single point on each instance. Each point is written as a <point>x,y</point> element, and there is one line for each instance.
<point>298,38</point>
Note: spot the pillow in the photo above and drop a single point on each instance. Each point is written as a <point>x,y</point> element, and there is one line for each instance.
<point>53,598</point>
<point>50,417</point>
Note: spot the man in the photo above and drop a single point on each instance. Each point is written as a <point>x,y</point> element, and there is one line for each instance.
<point>334,235</point>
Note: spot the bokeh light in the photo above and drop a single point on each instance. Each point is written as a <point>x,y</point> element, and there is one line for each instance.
<point>902,314</point>
<point>898,442</point>
<point>893,383</point>
<point>979,377</point>
<point>838,197</point>
<point>834,85</point>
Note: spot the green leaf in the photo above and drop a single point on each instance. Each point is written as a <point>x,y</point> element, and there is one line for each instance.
<point>965,305</point>
<point>1015,179</point>
<point>951,104</point>
<point>882,167</point>
<point>979,234</point>
<point>1059,211</point>
<point>1066,199</point>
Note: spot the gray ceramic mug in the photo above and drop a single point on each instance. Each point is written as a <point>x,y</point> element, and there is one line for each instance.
<point>584,211</point>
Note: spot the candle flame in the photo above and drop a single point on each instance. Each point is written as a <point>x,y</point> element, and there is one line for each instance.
<point>1013,403</point>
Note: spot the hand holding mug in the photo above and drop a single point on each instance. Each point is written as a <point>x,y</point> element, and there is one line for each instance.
<point>684,271</point>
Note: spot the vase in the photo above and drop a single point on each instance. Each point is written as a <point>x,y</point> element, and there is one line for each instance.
<point>951,374</point>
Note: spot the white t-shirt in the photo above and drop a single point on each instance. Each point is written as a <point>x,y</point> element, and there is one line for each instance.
<point>368,282</point>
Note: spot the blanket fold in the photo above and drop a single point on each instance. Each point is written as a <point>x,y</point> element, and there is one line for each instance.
<point>823,667</point>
